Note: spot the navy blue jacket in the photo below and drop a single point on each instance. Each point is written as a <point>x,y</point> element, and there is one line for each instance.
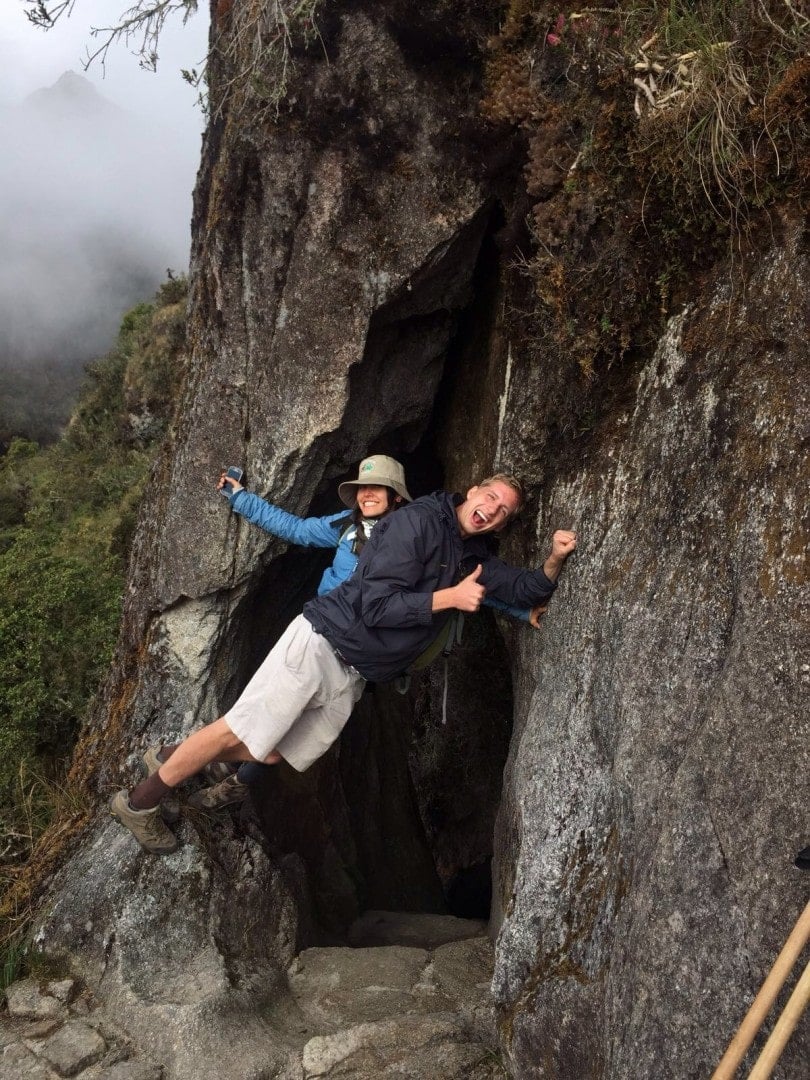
<point>380,618</point>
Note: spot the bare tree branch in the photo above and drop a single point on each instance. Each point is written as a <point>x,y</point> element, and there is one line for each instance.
<point>256,42</point>
<point>140,24</point>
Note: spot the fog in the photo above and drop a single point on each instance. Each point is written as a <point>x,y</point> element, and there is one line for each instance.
<point>95,204</point>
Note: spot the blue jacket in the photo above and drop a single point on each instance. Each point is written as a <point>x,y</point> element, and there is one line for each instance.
<point>380,618</point>
<point>320,532</point>
<point>323,532</point>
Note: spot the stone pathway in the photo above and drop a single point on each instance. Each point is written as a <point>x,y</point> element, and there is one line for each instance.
<point>410,1000</point>
<point>53,1030</point>
<point>409,997</point>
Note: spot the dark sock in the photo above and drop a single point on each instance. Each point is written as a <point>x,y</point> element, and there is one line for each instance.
<point>147,794</point>
<point>166,751</point>
<point>253,772</point>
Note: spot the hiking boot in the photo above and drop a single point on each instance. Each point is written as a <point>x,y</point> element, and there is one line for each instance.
<point>147,826</point>
<point>227,792</point>
<point>169,804</point>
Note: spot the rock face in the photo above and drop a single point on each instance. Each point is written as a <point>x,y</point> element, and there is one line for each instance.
<point>656,782</point>
<point>348,295</point>
<point>294,375</point>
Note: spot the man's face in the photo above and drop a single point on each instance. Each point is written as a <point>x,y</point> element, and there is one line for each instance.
<point>486,509</point>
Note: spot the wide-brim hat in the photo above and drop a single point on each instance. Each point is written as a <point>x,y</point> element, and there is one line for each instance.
<point>378,471</point>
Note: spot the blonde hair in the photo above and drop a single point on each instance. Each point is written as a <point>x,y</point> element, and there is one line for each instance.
<point>510,481</point>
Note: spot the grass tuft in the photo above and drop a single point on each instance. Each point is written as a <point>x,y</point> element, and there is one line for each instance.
<point>657,135</point>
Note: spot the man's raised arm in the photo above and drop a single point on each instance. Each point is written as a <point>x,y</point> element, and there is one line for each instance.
<point>563,543</point>
<point>469,594</point>
<point>526,588</point>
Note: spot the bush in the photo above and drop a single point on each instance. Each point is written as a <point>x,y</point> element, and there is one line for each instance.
<point>58,616</point>
<point>67,516</point>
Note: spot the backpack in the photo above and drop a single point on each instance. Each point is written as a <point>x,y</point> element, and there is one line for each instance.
<point>442,645</point>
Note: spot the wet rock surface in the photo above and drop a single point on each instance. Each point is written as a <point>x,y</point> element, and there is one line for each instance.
<point>653,798</point>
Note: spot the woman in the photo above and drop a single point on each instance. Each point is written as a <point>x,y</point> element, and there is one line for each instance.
<point>378,489</point>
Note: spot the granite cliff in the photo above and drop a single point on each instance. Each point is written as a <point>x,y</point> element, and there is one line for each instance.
<point>636,771</point>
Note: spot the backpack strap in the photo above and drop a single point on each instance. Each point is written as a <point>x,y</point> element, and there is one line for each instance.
<point>345,525</point>
<point>442,645</point>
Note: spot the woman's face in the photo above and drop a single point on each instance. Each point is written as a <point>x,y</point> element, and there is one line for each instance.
<point>372,501</point>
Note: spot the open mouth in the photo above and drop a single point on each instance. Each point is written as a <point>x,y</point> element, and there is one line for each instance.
<point>479,519</point>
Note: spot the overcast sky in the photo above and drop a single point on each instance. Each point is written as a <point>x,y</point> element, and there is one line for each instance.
<point>31,58</point>
<point>95,198</point>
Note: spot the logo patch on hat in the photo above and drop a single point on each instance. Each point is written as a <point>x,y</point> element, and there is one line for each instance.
<point>367,466</point>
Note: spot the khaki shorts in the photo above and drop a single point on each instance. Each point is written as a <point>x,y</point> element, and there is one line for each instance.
<point>298,701</point>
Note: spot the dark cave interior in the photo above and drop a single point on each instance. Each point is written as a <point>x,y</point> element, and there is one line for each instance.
<point>400,814</point>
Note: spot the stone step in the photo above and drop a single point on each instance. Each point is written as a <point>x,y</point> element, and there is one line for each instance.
<point>337,988</point>
<point>416,928</point>
<point>53,1029</point>
<point>403,1010</point>
<point>399,1010</point>
<point>420,1047</point>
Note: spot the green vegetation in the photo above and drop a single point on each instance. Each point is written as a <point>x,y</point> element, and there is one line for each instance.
<point>67,515</point>
<point>658,136</point>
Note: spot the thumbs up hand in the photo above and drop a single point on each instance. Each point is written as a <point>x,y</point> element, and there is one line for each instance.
<point>468,594</point>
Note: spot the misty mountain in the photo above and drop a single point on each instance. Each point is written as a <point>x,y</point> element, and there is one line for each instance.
<point>94,206</point>
<point>72,98</point>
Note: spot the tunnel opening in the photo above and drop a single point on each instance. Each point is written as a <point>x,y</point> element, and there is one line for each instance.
<point>399,815</point>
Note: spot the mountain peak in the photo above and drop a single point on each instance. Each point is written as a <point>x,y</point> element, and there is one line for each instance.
<point>70,82</point>
<point>70,92</point>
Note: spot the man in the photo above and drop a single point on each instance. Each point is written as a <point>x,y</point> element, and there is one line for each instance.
<point>431,558</point>
<point>378,490</point>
